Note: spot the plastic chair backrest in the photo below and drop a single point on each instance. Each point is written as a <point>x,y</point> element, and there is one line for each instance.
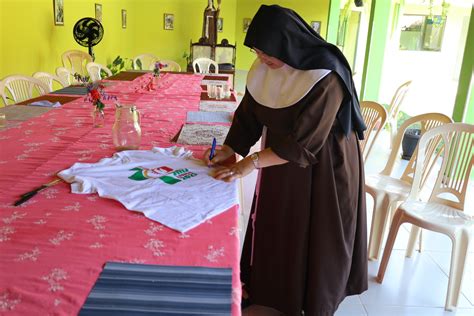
<point>456,142</point>
<point>171,65</point>
<point>397,100</point>
<point>147,61</point>
<point>94,70</point>
<point>48,79</point>
<point>426,121</point>
<point>66,76</point>
<point>76,60</point>
<point>21,88</point>
<point>203,65</point>
<point>374,116</point>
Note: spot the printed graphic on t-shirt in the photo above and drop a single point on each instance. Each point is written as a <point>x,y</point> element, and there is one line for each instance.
<point>164,173</point>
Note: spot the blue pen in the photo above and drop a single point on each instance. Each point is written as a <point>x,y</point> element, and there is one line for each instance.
<point>213,149</point>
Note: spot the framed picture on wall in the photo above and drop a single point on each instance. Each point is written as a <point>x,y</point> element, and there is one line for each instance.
<point>220,24</point>
<point>124,19</point>
<point>316,25</point>
<point>246,24</point>
<point>168,23</point>
<point>58,7</point>
<point>98,12</point>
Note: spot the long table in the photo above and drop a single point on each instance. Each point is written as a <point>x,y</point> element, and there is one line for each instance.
<point>53,247</point>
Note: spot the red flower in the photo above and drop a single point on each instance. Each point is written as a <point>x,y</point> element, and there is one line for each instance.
<point>95,95</point>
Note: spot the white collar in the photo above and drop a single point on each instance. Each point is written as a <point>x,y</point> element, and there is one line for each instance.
<point>281,87</point>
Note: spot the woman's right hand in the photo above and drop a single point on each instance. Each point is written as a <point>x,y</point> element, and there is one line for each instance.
<point>220,155</point>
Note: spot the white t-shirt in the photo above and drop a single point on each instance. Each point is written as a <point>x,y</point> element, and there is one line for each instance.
<point>165,184</point>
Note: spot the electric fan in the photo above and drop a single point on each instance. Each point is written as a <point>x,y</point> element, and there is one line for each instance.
<point>88,32</point>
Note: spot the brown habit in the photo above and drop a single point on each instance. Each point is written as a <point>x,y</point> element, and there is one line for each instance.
<point>310,229</point>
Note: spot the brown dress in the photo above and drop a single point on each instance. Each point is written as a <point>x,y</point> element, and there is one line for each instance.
<point>309,243</point>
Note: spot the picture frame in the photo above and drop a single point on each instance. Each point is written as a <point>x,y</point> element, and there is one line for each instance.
<point>246,24</point>
<point>98,12</point>
<point>124,18</point>
<point>58,11</point>
<point>168,21</point>
<point>316,26</point>
<point>220,24</point>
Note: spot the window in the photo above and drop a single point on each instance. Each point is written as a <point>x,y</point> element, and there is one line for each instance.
<point>422,33</point>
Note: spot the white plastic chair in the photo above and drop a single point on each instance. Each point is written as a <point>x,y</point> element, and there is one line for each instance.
<point>374,116</point>
<point>94,70</point>
<point>203,65</point>
<point>171,65</point>
<point>394,108</point>
<point>76,60</point>
<point>387,191</point>
<point>438,213</point>
<point>49,79</point>
<point>18,88</point>
<point>147,60</point>
<point>66,76</point>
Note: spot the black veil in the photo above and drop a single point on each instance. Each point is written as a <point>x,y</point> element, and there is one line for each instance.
<point>282,33</point>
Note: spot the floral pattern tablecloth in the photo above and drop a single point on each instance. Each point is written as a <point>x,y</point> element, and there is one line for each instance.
<point>53,247</point>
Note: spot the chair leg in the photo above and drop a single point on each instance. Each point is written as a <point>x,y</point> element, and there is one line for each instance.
<point>456,270</point>
<point>393,131</point>
<point>415,231</point>
<point>377,229</point>
<point>420,241</point>
<point>398,219</point>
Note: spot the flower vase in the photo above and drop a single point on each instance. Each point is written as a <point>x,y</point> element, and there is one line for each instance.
<point>156,81</point>
<point>98,117</point>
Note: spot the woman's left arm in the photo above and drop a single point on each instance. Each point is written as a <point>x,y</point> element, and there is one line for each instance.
<point>264,158</point>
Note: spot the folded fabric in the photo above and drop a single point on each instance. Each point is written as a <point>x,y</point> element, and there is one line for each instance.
<point>209,117</point>
<point>46,103</point>
<point>144,289</point>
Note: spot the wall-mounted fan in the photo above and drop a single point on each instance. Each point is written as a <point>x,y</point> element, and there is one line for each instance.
<point>88,32</point>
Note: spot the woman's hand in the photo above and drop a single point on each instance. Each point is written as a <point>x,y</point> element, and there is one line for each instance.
<point>237,170</point>
<point>220,155</point>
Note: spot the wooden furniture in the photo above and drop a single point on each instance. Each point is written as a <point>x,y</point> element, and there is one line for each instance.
<point>58,242</point>
<point>224,54</point>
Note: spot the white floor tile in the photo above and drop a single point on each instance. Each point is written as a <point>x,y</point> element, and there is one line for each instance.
<point>383,310</point>
<point>409,282</point>
<point>443,260</point>
<point>351,310</point>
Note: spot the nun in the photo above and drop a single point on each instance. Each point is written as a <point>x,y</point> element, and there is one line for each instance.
<point>305,245</point>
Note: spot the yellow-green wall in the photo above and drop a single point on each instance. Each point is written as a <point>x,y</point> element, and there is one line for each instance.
<point>310,10</point>
<point>30,42</point>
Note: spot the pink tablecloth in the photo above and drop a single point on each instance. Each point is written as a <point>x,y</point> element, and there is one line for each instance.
<point>53,247</point>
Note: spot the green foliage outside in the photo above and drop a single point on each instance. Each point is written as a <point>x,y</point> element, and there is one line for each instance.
<point>119,64</point>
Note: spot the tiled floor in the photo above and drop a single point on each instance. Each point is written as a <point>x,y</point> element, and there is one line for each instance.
<point>412,287</point>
